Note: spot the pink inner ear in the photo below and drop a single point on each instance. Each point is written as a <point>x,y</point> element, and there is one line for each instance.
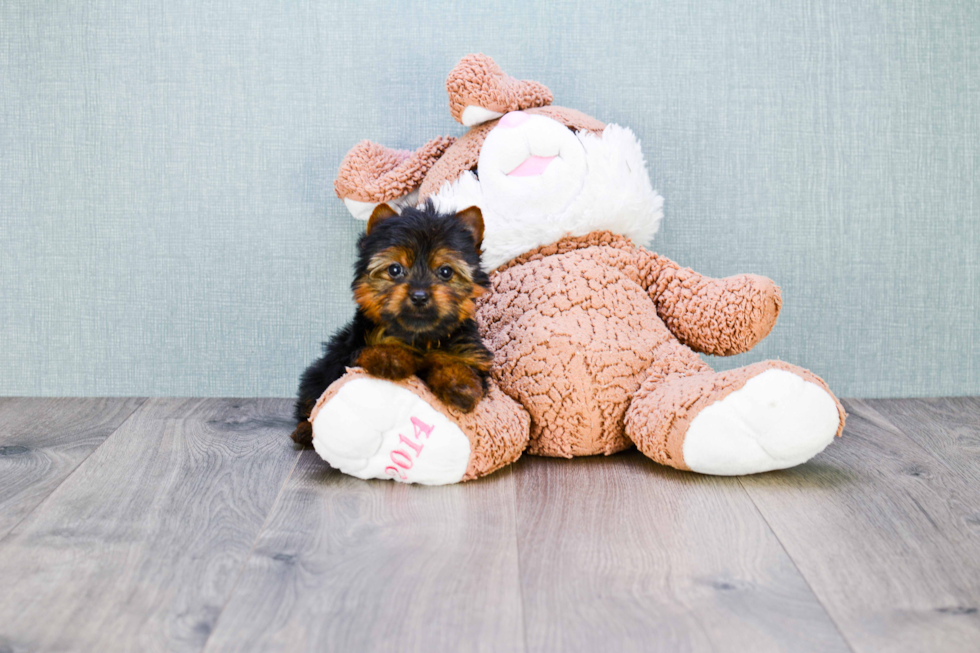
<point>513,119</point>
<point>534,165</point>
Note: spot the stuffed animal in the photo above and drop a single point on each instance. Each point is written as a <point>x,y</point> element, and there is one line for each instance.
<point>594,337</point>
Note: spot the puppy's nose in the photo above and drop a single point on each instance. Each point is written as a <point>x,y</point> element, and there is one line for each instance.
<point>419,297</point>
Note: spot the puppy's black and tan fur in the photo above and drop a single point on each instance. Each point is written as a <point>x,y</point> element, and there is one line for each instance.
<point>417,277</point>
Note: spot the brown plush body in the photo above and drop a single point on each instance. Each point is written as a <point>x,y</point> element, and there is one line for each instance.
<point>603,357</point>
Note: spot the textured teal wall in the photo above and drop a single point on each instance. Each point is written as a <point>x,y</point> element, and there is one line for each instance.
<point>167,220</point>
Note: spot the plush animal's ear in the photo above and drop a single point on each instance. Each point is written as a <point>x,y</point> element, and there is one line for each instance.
<point>380,213</point>
<point>371,174</point>
<point>473,219</point>
<point>480,91</point>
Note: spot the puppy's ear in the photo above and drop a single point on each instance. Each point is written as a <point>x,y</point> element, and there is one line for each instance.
<point>380,213</point>
<point>472,218</point>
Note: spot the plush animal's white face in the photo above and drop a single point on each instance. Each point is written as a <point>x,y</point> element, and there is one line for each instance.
<point>537,181</point>
<point>530,166</point>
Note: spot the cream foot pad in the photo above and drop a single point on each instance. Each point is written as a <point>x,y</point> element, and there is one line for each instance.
<point>776,420</point>
<point>375,429</point>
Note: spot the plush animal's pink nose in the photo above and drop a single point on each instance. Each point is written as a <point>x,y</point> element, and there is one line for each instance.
<point>513,119</point>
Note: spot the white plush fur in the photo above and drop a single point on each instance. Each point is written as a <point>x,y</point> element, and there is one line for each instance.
<point>616,196</point>
<point>357,431</point>
<point>776,420</point>
<point>537,197</point>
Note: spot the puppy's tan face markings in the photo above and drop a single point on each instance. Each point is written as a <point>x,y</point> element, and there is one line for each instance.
<point>441,258</point>
<point>456,290</point>
<point>381,292</point>
<point>384,291</point>
<point>378,266</point>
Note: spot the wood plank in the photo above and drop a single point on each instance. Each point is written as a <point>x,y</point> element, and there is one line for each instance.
<point>139,549</point>
<point>42,441</point>
<point>947,427</point>
<point>352,565</point>
<point>885,534</point>
<point>621,554</point>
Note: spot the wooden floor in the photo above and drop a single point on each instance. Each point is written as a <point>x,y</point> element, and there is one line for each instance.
<point>194,525</point>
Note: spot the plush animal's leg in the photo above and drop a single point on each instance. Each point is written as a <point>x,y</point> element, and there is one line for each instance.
<point>770,415</point>
<point>372,428</point>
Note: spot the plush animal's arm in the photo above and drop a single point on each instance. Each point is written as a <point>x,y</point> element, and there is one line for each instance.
<point>721,317</point>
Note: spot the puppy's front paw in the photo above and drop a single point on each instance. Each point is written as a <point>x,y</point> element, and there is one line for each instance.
<point>456,385</point>
<point>388,362</point>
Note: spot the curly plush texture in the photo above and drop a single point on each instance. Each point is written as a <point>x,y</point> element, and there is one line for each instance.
<point>696,309</point>
<point>478,81</point>
<point>721,317</point>
<point>375,173</point>
<point>578,325</point>
<point>497,428</point>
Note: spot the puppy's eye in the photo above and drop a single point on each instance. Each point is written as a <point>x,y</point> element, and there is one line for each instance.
<point>445,273</point>
<point>395,270</point>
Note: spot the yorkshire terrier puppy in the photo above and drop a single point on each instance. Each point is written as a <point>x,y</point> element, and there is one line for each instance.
<point>415,281</point>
